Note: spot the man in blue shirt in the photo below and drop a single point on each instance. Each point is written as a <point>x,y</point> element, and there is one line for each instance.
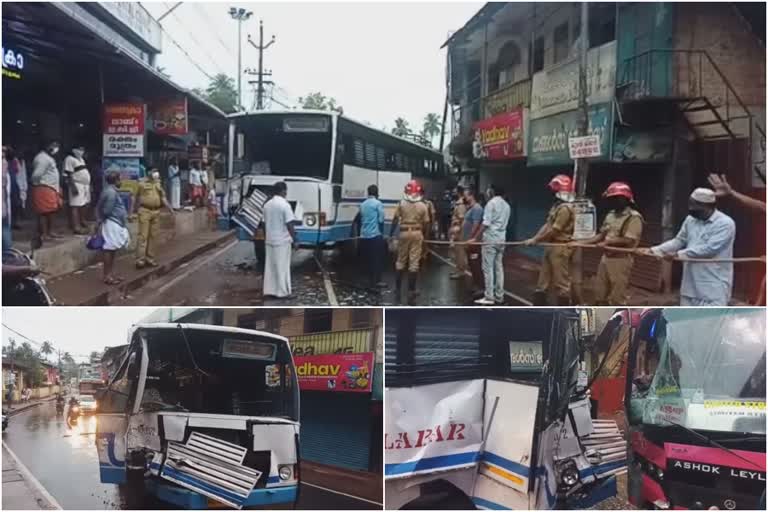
<point>370,220</point>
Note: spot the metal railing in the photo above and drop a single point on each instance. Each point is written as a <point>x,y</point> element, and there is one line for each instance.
<point>334,342</point>
<point>507,97</point>
<point>688,74</point>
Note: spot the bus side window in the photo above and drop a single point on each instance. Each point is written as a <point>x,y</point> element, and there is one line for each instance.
<point>338,163</point>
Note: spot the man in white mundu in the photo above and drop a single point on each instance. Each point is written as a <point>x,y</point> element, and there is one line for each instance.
<point>280,237</point>
<point>79,180</point>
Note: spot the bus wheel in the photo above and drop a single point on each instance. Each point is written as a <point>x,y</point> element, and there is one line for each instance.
<point>132,492</point>
<point>440,496</point>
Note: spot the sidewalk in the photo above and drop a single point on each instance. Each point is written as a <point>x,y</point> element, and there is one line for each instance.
<point>357,483</point>
<point>86,288</point>
<point>20,407</point>
<point>21,491</point>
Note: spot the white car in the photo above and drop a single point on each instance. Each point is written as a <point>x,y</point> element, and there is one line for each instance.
<point>88,404</point>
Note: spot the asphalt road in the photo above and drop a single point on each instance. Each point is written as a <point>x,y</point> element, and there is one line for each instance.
<point>228,277</point>
<point>65,462</point>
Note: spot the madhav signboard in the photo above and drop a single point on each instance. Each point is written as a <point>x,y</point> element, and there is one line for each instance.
<point>500,137</point>
<point>335,372</point>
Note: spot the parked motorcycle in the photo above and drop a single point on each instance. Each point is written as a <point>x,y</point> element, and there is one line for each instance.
<point>22,283</point>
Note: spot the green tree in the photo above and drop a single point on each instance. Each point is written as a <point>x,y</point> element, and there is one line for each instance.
<point>222,93</point>
<point>10,348</point>
<point>431,126</point>
<point>46,349</point>
<point>401,127</point>
<point>319,101</point>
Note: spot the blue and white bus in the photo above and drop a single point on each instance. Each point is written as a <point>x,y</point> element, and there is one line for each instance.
<point>328,162</point>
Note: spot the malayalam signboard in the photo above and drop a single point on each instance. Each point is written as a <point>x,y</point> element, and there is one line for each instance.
<point>432,428</point>
<point>124,129</point>
<point>335,372</point>
<point>525,356</point>
<point>556,89</point>
<point>13,63</point>
<point>170,117</point>
<point>500,137</point>
<point>548,137</point>
<point>584,147</point>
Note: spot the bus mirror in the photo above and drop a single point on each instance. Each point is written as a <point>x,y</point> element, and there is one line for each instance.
<point>337,193</point>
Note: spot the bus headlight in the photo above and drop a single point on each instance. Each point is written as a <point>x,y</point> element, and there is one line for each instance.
<point>569,474</point>
<point>284,472</point>
<point>312,219</point>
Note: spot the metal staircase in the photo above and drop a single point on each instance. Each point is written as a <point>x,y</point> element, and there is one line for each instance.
<point>693,82</point>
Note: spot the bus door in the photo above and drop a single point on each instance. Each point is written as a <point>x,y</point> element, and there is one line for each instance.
<point>116,404</point>
<point>506,462</point>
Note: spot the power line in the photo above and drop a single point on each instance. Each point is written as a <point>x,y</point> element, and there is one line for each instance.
<point>24,336</point>
<point>186,54</point>
<point>201,11</point>
<point>200,46</point>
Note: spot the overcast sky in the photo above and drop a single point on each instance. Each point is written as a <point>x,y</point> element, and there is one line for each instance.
<point>379,60</point>
<point>78,331</point>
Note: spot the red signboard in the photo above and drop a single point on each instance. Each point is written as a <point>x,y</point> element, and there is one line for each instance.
<point>124,129</point>
<point>500,137</point>
<point>335,372</point>
<point>169,117</point>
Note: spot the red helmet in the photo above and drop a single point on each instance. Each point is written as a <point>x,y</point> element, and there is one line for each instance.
<point>413,188</point>
<point>561,183</point>
<point>619,188</point>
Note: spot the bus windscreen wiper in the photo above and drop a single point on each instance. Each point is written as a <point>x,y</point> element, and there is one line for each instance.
<point>712,442</point>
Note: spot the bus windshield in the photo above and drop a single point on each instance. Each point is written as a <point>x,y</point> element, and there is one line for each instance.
<point>297,145</point>
<point>218,373</point>
<point>711,370</point>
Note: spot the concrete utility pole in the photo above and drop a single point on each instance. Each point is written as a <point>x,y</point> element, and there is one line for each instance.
<point>261,74</point>
<point>582,164</point>
<point>240,15</point>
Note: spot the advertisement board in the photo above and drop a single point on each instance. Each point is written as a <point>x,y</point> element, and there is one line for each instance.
<point>124,129</point>
<point>548,137</point>
<point>526,356</point>
<point>556,89</point>
<point>170,117</point>
<point>633,145</point>
<point>500,137</point>
<point>432,428</point>
<point>13,62</point>
<point>335,372</point>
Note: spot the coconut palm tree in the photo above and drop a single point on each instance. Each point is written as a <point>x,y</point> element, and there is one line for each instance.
<point>401,127</point>
<point>431,126</point>
<point>46,349</point>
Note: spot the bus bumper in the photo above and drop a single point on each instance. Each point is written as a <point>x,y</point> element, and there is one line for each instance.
<point>602,491</point>
<point>190,500</point>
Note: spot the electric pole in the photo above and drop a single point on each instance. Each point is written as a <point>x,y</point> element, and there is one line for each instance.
<point>260,79</point>
<point>582,164</point>
<point>240,15</point>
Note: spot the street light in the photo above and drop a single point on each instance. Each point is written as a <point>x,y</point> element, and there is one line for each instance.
<point>240,15</point>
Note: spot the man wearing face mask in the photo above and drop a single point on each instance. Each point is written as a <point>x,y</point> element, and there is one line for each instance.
<point>46,190</point>
<point>149,199</point>
<point>622,227</point>
<point>706,233</point>
<point>79,180</point>
<point>555,273</point>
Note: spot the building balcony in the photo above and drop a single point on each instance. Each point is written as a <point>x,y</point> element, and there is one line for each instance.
<point>506,98</point>
<point>334,342</point>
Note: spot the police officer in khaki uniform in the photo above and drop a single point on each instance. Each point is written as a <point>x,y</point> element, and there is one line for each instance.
<point>147,201</point>
<point>457,221</point>
<point>622,227</point>
<point>555,273</point>
<point>412,216</point>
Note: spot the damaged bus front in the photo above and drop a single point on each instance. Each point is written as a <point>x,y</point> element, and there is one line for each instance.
<point>510,430</point>
<point>202,416</point>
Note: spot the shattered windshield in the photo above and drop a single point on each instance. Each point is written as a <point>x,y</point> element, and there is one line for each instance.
<point>711,370</point>
<point>219,373</point>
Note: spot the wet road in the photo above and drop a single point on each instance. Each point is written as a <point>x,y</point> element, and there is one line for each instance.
<point>229,277</point>
<point>65,462</point>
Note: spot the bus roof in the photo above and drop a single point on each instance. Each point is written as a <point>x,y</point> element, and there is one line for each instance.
<point>332,114</point>
<point>211,328</point>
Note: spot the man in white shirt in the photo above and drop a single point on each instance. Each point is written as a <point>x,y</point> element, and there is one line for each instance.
<point>79,184</point>
<point>493,233</point>
<point>46,191</point>
<point>280,237</point>
<point>196,185</point>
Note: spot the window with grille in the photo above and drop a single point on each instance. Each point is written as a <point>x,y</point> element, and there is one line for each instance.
<point>359,152</point>
<point>318,320</point>
<point>380,159</point>
<point>370,154</point>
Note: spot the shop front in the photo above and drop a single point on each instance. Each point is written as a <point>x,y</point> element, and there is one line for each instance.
<point>337,413</point>
<point>80,77</point>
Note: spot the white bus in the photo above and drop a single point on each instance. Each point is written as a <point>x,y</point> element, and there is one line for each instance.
<point>328,161</point>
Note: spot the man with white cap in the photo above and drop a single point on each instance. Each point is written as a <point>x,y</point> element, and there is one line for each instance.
<point>706,233</point>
